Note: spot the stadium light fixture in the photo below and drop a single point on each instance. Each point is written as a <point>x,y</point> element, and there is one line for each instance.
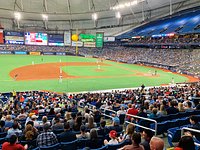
<point>125,5</point>
<point>45,17</point>
<point>94,16</point>
<point>17,16</point>
<point>118,15</point>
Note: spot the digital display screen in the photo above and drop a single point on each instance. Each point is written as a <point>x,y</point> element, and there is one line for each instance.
<point>56,39</point>
<point>32,38</point>
<point>13,37</point>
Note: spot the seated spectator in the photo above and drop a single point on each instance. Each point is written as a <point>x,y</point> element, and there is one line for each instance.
<point>156,143</point>
<point>195,125</point>
<point>12,144</point>
<point>153,115</point>
<point>185,143</point>
<point>180,107</point>
<point>130,129</point>
<point>72,120</point>
<point>29,133</point>
<point>146,135</point>
<point>115,125</point>
<point>103,130</point>
<point>44,121</point>
<point>91,124</point>
<point>172,109</point>
<point>162,111</point>
<point>51,112</point>
<point>188,107</point>
<point>84,134</point>
<point>113,137</point>
<point>35,122</point>
<point>142,112</point>
<point>78,123</point>
<point>22,115</point>
<point>132,111</point>
<point>58,125</point>
<point>47,138</point>
<point>14,130</point>
<point>136,140</point>
<point>2,126</point>
<point>95,141</point>
<point>8,122</point>
<point>67,135</point>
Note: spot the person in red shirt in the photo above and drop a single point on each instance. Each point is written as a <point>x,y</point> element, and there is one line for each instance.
<point>132,111</point>
<point>12,145</point>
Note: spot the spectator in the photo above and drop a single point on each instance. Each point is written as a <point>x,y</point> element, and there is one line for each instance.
<point>136,140</point>
<point>84,134</point>
<point>14,130</point>
<point>78,123</point>
<point>47,138</point>
<point>156,143</point>
<point>72,120</point>
<point>115,125</point>
<point>2,126</point>
<point>58,125</point>
<point>153,115</point>
<point>95,142</point>
<point>180,107</point>
<point>130,129</point>
<point>172,109</point>
<point>185,143</point>
<point>8,122</point>
<point>91,124</point>
<point>67,135</point>
<point>132,111</point>
<point>162,111</point>
<point>146,135</point>
<point>113,137</point>
<point>12,144</point>
<point>122,111</point>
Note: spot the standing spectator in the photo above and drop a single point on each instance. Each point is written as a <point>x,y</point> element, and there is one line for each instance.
<point>122,111</point>
<point>47,138</point>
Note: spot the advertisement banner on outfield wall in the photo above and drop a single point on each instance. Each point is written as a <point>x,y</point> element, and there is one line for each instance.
<point>5,52</point>
<point>48,53</point>
<point>67,38</point>
<point>89,44</point>
<point>77,43</point>
<point>34,53</point>
<point>1,36</point>
<point>60,53</point>
<point>20,53</point>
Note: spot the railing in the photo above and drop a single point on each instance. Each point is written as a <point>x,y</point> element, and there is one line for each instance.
<point>109,110</point>
<point>138,117</point>
<point>190,129</point>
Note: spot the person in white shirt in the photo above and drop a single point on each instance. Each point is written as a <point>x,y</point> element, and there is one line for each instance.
<point>113,136</point>
<point>121,112</point>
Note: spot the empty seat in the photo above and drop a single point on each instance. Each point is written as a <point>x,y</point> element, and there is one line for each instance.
<point>69,145</point>
<point>52,147</point>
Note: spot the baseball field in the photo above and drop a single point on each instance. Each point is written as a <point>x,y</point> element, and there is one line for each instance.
<point>76,74</point>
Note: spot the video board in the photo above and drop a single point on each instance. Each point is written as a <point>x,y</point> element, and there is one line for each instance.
<point>13,37</point>
<point>39,38</point>
<point>56,39</point>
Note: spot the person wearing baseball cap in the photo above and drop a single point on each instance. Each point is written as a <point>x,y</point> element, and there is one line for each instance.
<point>113,136</point>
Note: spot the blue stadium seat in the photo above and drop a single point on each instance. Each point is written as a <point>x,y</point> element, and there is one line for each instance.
<point>69,145</point>
<point>102,148</point>
<point>52,147</point>
<point>81,143</point>
<point>3,134</point>
<point>117,146</point>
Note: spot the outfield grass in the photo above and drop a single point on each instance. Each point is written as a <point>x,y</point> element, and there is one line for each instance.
<point>117,75</point>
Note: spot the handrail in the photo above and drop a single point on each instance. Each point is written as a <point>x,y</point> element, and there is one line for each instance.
<point>190,129</point>
<point>109,110</point>
<point>134,116</point>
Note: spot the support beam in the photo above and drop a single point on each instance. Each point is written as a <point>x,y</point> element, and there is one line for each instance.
<point>18,6</point>
<point>45,5</point>
<point>69,9</point>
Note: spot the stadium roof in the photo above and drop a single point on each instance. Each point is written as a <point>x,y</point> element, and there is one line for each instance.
<point>72,14</point>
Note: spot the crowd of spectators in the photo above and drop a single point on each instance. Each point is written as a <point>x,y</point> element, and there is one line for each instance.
<point>45,118</point>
